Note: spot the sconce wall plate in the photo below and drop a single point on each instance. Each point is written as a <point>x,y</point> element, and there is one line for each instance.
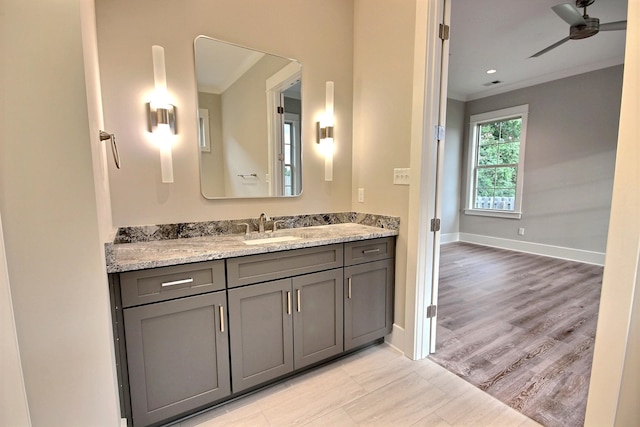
<point>323,132</point>
<point>161,115</point>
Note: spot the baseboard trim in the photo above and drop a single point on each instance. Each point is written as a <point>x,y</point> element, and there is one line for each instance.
<point>123,422</point>
<point>579,255</point>
<point>396,338</point>
<point>449,238</point>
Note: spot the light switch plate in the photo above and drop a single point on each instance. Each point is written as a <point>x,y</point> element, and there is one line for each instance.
<point>401,176</point>
<point>361,195</point>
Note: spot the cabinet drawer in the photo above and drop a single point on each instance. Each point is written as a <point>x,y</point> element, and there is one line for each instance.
<point>369,250</point>
<point>164,283</point>
<point>276,265</point>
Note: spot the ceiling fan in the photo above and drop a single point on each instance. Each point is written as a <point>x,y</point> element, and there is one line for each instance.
<point>582,25</point>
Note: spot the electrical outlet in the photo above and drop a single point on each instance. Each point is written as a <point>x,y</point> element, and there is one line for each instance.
<point>521,231</point>
<point>401,176</point>
<point>361,195</point>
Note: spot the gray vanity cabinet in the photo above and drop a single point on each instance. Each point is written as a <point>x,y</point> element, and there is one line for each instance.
<point>368,293</point>
<point>317,317</point>
<point>283,325</point>
<point>178,356</point>
<point>261,331</point>
<point>285,312</point>
<point>176,336</point>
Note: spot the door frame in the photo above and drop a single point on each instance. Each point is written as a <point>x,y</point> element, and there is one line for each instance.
<point>275,85</point>
<point>429,106</point>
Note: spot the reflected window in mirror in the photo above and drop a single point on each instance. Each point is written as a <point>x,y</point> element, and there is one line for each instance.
<point>204,140</point>
<point>249,122</point>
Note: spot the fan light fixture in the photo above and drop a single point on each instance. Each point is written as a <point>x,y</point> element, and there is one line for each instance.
<point>582,26</point>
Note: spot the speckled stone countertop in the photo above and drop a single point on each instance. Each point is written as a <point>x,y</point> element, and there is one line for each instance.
<point>160,253</point>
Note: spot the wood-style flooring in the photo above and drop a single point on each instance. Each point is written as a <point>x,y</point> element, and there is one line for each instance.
<point>374,387</point>
<point>520,327</point>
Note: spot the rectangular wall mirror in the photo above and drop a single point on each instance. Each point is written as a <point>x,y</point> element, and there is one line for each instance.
<point>249,117</point>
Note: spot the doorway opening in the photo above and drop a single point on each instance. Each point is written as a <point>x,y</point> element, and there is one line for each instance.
<point>568,177</point>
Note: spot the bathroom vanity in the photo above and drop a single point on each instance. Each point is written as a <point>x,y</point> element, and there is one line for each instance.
<point>202,320</point>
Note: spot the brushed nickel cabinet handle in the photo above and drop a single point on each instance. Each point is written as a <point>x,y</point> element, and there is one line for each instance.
<point>299,300</point>
<point>288,302</point>
<point>177,282</point>
<point>371,251</point>
<point>349,288</point>
<point>221,319</point>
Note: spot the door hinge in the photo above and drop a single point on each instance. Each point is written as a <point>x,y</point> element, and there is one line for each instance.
<point>435,224</point>
<point>432,310</point>
<point>280,110</point>
<point>443,33</point>
<point>438,133</point>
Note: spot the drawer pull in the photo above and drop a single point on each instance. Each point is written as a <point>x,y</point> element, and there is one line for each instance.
<point>221,319</point>
<point>349,288</point>
<point>299,300</point>
<point>177,282</point>
<point>371,251</point>
<point>288,302</point>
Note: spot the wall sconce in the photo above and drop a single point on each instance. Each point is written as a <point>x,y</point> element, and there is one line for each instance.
<point>325,133</point>
<point>161,115</point>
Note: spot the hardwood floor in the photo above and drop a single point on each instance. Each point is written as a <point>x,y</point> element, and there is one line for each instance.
<point>520,327</point>
<point>374,387</point>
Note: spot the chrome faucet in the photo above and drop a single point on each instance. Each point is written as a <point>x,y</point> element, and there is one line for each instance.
<point>263,218</point>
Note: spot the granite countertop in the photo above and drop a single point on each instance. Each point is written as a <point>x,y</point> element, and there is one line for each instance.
<point>137,256</point>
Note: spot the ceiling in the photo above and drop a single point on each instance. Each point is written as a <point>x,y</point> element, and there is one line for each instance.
<point>503,34</point>
<point>220,64</point>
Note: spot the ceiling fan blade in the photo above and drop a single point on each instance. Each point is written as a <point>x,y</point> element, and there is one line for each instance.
<point>553,46</point>
<point>613,26</point>
<point>569,13</point>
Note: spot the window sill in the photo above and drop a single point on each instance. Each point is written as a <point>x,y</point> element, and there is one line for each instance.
<point>492,213</point>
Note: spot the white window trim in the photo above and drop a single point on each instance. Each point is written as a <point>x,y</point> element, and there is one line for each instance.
<point>492,116</point>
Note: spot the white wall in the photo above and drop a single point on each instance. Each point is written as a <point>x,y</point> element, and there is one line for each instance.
<point>628,411</point>
<point>382,103</point>
<point>55,257</point>
<point>613,398</point>
<point>101,152</point>
<point>14,408</point>
<point>569,161</point>
<point>289,28</point>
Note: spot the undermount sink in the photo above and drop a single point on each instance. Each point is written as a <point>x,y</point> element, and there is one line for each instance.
<point>278,239</point>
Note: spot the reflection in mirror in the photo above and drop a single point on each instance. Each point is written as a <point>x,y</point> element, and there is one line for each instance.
<point>249,117</point>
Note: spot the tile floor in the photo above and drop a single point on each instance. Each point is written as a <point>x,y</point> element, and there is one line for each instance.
<point>374,387</point>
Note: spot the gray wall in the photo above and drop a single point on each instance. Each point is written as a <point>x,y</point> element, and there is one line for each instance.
<point>452,171</point>
<point>569,161</point>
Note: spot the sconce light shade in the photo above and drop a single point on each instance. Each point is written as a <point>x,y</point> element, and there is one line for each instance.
<point>324,130</point>
<point>161,115</point>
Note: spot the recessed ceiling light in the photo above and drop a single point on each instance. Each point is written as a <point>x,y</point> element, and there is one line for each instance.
<point>491,71</point>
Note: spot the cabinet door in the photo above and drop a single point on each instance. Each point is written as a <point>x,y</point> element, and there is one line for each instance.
<point>261,333</point>
<point>317,317</point>
<point>177,355</point>
<point>368,307</point>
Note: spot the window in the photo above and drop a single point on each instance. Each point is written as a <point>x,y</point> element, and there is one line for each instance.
<point>496,162</point>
